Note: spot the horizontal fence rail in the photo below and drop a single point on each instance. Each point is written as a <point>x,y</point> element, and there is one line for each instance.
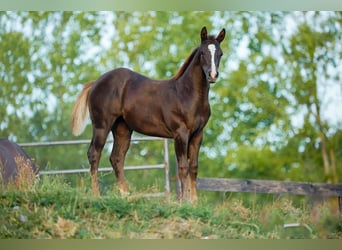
<point>268,187</point>
<point>80,142</point>
<point>107,169</point>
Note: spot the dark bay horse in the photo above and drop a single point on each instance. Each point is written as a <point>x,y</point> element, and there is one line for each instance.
<point>12,160</point>
<point>121,101</point>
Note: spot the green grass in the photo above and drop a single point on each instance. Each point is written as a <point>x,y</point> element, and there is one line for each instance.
<point>53,209</point>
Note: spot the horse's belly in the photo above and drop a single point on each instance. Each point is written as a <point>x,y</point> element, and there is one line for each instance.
<point>148,124</point>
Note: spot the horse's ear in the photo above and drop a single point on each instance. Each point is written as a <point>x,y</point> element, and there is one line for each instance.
<point>221,36</point>
<point>204,34</point>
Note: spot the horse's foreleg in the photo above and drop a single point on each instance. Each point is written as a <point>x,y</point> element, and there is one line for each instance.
<point>194,146</point>
<point>122,138</point>
<point>94,154</point>
<point>181,149</point>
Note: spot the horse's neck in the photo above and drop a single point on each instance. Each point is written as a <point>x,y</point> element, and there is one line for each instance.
<point>193,80</point>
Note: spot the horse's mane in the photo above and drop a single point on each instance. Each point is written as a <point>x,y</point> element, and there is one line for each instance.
<point>187,62</point>
<point>185,65</point>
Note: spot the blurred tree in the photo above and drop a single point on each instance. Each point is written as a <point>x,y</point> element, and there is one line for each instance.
<point>313,56</point>
<point>43,56</point>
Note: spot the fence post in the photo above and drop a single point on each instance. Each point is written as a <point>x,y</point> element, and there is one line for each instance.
<point>167,168</point>
<point>340,206</point>
<point>178,183</point>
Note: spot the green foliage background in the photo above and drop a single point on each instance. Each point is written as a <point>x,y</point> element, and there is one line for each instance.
<point>273,107</point>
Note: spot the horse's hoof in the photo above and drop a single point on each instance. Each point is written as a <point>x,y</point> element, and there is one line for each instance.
<point>123,193</point>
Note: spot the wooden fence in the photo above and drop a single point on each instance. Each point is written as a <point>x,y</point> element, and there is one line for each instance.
<point>272,187</point>
<point>213,184</point>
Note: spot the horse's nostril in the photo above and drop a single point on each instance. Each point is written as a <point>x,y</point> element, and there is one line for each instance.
<point>213,74</point>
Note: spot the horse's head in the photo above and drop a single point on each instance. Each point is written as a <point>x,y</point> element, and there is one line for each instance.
<point>210,54</point>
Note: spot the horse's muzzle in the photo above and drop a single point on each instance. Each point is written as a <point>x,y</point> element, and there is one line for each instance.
<point>212,77</point>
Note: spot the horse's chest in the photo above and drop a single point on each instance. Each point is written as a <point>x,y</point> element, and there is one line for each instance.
<point>200,118</point>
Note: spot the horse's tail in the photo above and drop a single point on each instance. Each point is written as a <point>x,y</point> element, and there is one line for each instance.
<point>80,111</point>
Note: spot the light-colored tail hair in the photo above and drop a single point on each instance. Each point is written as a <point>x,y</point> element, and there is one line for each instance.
<point>80,111</point>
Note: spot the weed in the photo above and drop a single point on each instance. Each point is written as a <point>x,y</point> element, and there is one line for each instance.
<point>25,175</point>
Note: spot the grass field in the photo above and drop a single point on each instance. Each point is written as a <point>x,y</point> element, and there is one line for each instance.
<point>50,208</point>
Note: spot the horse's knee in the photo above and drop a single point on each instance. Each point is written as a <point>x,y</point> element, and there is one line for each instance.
<point>115,162</point>
<point>193,171</point>
<point>183,170</point>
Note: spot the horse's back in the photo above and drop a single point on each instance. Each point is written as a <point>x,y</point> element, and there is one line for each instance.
<point>113,88</point>
<point>111,85</point>
<point>118,78</point>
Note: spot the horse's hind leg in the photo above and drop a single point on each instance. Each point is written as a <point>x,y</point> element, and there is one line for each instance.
<point>122,138</point>
<point>94,153</point>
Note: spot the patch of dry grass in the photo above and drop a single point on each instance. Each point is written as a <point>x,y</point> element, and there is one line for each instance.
<point>25,175</point>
